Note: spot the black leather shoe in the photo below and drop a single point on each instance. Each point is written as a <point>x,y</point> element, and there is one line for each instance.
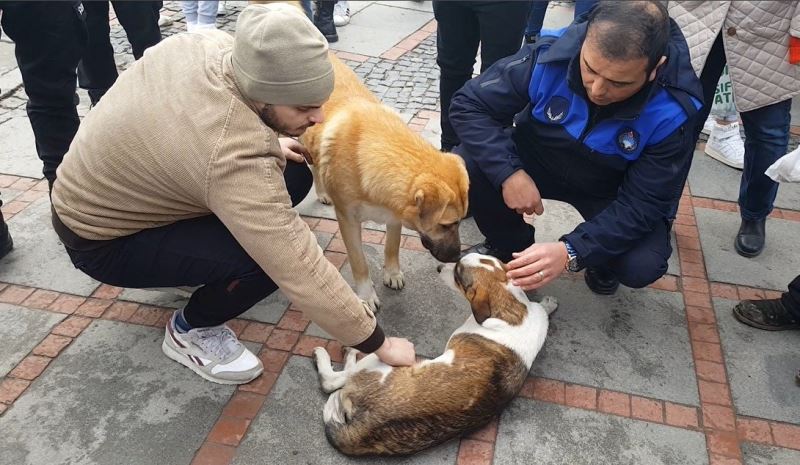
<point>750,239</point>
<point>769,314</point>
<point>6,244</point>
<point>600,281</point>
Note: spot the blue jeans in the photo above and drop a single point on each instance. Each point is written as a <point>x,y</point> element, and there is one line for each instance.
<point>539,8</point>
<point>767,139</point>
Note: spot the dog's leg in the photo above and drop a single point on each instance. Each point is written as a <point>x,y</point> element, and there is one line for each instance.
<point>351,234</point>
<point>392,274</point>
<point>319,186</point>
<point>350,359</point>
<point>549,303</point>
<point>329,379</point>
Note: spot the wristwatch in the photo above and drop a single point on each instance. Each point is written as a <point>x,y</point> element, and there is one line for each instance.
<point>573,263</point>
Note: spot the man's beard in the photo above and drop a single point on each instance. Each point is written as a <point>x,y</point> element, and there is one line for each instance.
<point>269,118</point>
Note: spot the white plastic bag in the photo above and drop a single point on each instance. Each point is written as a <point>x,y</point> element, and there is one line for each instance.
<point>787,168</point>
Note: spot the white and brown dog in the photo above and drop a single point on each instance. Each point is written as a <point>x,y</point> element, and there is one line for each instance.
<point>377,409</point>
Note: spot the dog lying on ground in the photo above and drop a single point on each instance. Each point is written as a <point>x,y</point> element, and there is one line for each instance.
<point>373,167</point>
<point>376,409</point>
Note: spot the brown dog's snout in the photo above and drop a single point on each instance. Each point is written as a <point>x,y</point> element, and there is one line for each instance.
<point>442,251</point>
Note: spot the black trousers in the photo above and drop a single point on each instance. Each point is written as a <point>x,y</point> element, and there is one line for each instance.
<point>98,71</point>
<point>196,252</point>
<point>505,229</point>
<point>498,27</point>
<point>791,299</point>
<point>49,38</point>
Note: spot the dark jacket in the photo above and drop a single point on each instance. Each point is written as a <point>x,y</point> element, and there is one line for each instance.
<point>636,153</point>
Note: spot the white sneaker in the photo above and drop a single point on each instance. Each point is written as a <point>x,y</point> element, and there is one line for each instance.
<point>164,21</point>
<point>341,13</point>
<point>221,9</point>
<point>708,125</point>
<point>725,145</point>
<point>213,353</point>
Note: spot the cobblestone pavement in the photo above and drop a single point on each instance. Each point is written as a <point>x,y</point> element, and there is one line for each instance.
<point>662,375</point>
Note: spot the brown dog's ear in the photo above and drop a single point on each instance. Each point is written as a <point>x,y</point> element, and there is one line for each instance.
<point>481,304</point>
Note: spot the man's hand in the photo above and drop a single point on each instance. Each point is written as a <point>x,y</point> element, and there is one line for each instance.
<point>521,194</point>
<point>537,265</point>
<point>396,351</point>
<point>294,150</point>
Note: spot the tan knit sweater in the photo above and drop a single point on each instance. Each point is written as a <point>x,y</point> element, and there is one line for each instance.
<point>174,139</point>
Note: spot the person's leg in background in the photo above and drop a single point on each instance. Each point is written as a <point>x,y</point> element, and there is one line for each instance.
<point>766,139</point>
<point>535,20</point>
<point>724,143</point>
<point>323,19</point>
<point>306,4</point>
<point>457,39</point>
<point>97,70</point>
<point>140,21</point>
<point>582,6</point>
<point>207,14</point>
<point>49,38</point>
<point>502,25</point>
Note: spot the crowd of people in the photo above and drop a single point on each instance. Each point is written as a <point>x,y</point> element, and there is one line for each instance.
<point>604,114</point>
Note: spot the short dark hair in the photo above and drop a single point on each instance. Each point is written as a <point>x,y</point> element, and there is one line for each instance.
<point>626,30</point>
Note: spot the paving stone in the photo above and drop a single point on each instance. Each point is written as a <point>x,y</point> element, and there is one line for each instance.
<point>635,341</point>
<point>536,432</point>
<point>761,367</point>
<point>289,430</point>
<point>112,397</point>
<point>22,329</point>
<point>412,5</point>
<point>758,454</point>
<point>18,151</point>
<point>38,258</point>
<point>773,269</point>
<point>7,195</point>
<point>407,312</point>
<point>367,33</point>
<point>712,179</point>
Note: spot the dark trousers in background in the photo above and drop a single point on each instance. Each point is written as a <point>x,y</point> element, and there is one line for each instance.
<point>98,71</point>
<point>766,139</point>
<point>49,40</point>
<point>505,229</point>
<point>791,299</point>
<point>497,26</point>
<point>539,9</point>
<point>199,251</point>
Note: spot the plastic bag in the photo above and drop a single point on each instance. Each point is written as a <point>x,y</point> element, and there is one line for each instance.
<point>787,168</point>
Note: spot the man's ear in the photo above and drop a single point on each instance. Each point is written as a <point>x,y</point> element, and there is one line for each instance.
<point>655,70</point>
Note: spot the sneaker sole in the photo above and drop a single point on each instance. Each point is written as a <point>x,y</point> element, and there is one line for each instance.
<point>754,324</point>
<point>170,352</point>
<point>713,153</point>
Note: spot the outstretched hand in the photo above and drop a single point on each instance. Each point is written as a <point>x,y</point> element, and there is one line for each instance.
<point>537,265</point>
<point>295,151</point>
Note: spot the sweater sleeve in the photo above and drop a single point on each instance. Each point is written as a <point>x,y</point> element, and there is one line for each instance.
<point>246,190</point>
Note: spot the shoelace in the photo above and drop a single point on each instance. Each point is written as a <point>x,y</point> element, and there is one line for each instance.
<point>217,340</point>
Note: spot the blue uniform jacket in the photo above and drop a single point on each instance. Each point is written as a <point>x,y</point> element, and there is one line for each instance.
<point>636,153</point>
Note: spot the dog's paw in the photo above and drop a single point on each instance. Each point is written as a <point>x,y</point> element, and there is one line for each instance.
<point>393,279</point>
<point>549,303</point>
<point>368,295</point>
<point>324,199</point>
<point>321,358</point>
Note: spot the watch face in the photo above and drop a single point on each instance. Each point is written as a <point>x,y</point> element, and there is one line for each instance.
<point>572,264</point>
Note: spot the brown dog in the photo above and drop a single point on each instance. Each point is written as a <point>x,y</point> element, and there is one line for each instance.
<point>373,167</point>
<point>378,409</point>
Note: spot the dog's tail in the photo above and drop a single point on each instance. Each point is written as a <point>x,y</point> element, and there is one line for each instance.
<point>341,430</point>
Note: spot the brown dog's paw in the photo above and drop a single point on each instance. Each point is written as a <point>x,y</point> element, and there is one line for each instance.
<point>393,279</point>
<point>324,199</point>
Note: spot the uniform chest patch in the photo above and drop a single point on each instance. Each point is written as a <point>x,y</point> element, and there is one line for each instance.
<point>628,140</point>
<point>556,109</point>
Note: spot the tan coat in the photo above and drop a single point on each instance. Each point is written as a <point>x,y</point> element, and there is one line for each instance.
<point>174,139</point>
<point>755,35</point>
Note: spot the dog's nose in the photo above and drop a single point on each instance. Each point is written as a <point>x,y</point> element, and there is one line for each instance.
<point>439,267</point>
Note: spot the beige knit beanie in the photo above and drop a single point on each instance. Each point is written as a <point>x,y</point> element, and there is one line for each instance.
<point>279,56</point>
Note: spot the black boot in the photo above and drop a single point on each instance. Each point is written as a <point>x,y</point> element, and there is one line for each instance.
<point>487,248</point>
<point>6,244</point>
<point>601,281</point>
<point>750,239</point>
<point>323,19</point>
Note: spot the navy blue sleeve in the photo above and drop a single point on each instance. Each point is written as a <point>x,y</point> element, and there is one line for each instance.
<point>482,111</point>
<point>651,187</point>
